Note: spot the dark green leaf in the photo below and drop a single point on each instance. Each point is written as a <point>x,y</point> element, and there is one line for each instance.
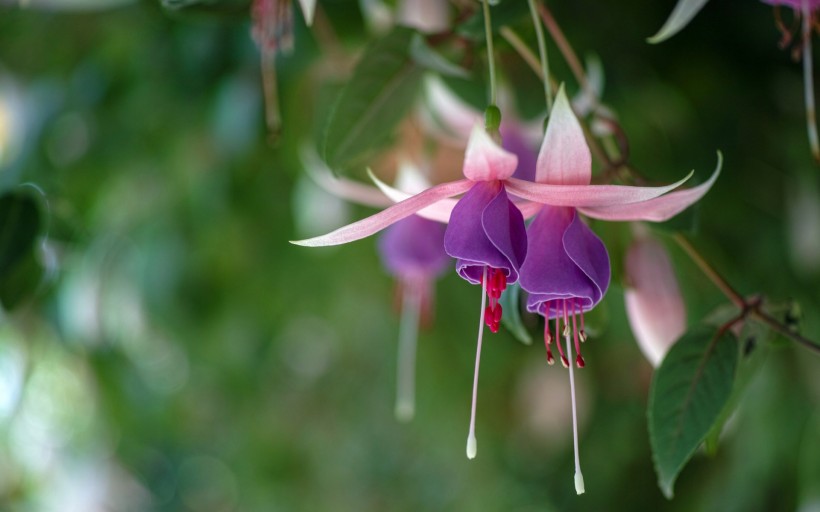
<point>688,393</point>
<point>428,58</point>
<point>379,94</point>
<point>21,282</point>
<point>19,227</point>
<point>755,341</point>
<point>511,304</point>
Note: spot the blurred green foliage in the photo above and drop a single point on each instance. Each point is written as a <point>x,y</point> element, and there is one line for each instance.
<point>179,354</point>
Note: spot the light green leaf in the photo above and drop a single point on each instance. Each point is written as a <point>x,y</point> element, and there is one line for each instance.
<point>511,319</point>
<point>681,15</point>
<point>382,89</point>
<point>688,393</point>
<point>427,57</point>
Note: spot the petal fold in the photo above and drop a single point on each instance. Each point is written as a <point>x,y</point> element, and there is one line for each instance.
<point>565,261</point>
<point>486,229</point>
<point>564,158</point>
<point>384,218</point>
<point>658,209</point>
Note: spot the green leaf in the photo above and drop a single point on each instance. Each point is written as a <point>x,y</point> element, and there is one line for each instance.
<point>428,58</point>
<point>688,393</point>
<point>755,345</point>
<point>511,319</point>
<point>379,94</point>
<point>21,283</point>
<point>19,227</point>
<point>681,15</point>
<point>20,224</point>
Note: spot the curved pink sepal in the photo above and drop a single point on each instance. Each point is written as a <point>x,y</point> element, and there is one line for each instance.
<point>564,158</point>
<point>384,218</point>
<point>439,212</point>
<point>581,196</point>
<point>658,209</point>
<point>485,160</point>
<point>348,189</point>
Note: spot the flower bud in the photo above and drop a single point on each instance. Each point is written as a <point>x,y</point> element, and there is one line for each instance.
<point>654,303</point>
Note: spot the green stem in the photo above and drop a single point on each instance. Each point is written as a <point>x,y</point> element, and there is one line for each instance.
<point>488,33</point>
<point>542,52</point>
<point>761,316</point>
<point>751,308</point>
<point>710,272</point>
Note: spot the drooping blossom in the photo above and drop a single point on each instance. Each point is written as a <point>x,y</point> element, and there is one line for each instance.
<point>272,31</point>
<point>412,250</point>
<point>486,233</point>
<point>567,269</point>
<point>654,304</point>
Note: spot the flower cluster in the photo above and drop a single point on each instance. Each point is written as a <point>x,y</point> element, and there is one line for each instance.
<point>558,260</point>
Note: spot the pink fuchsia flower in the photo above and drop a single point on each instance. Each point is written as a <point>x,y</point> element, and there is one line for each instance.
<point>485,231</point>
<point>567,270</point>
<point>654,305</point>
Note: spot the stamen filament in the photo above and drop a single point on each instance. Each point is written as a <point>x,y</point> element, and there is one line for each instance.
<point>471,441</point>
<point>579,477</point>
<point>579,359</point>
<point>564,360</point>
<point>583,333</point>
<point>408,339</point>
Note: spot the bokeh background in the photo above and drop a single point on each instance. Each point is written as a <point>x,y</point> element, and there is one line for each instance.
<point>176,353</point>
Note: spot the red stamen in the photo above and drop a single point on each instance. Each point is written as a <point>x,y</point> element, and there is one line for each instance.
<point>579,359</point>
<point>548,341</point>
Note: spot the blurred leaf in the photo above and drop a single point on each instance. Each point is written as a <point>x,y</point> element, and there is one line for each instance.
<point>19,226</point>
<point>21,282</point>
<point>427,57</point>
<point>688,393</point>
<point>681,15</point>
<point>755,339</point>
<point>379,94</point>
<point>511,303</point>
<point>506,13</point>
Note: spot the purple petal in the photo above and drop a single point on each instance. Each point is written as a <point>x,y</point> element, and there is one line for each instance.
<point>565,260</point>
<point>414,247</point>
<point>486,229</point>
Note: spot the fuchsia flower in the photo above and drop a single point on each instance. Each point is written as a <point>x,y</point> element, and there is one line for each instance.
<point>567,269</point>
<point>486,229</point>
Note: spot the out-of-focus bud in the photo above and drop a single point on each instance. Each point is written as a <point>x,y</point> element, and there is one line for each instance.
<point>803,206</point>
<point>427,16</point>
<point>12,122</point>
<point>654,303</point>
